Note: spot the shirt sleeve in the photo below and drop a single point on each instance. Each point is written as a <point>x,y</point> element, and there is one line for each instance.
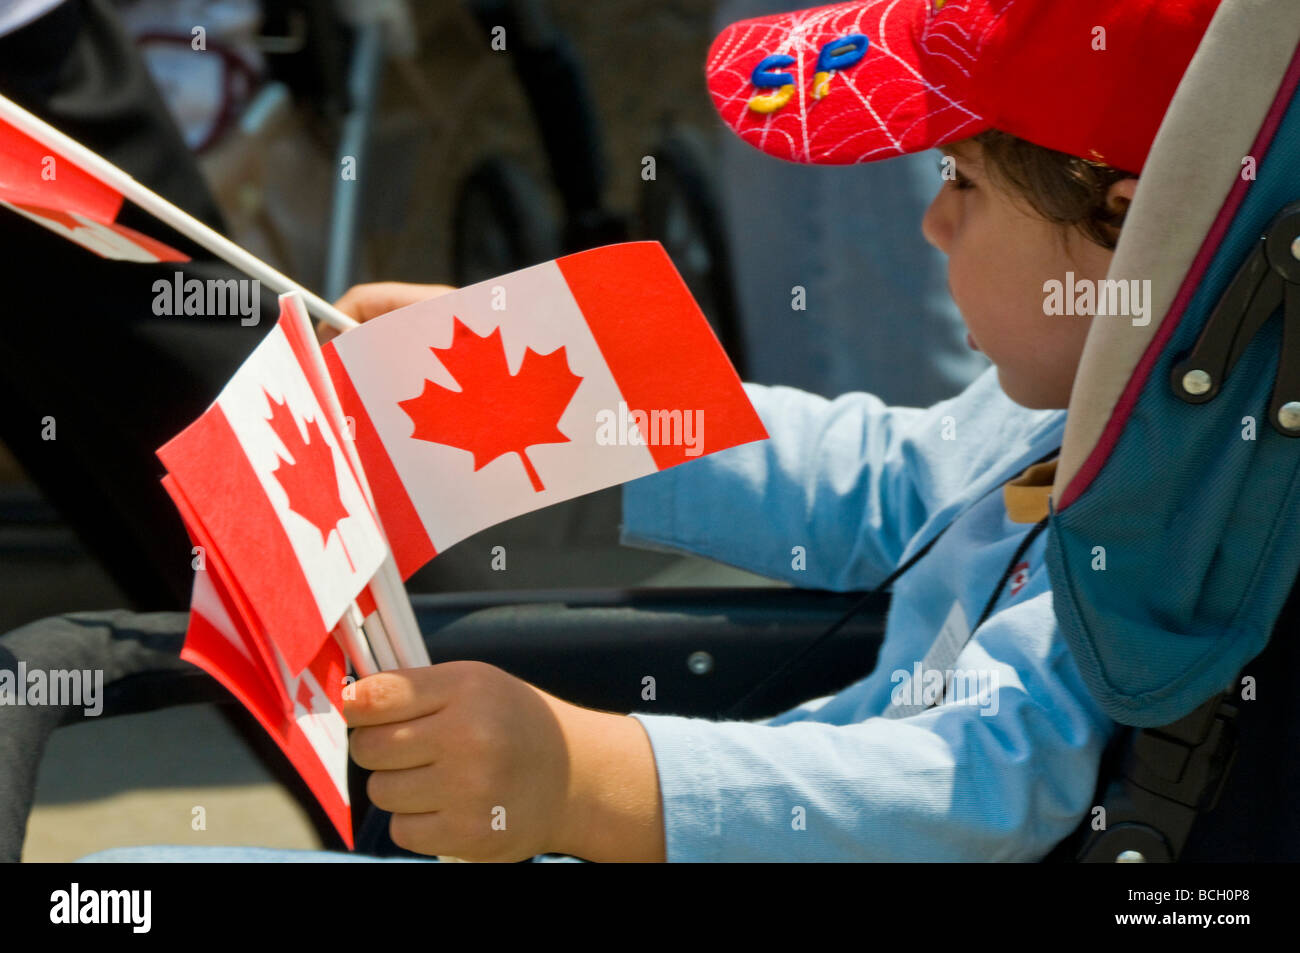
<point>1002,775</point>
<point>828,502</point>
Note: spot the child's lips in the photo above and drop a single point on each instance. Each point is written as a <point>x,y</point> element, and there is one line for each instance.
<point>971,341</point>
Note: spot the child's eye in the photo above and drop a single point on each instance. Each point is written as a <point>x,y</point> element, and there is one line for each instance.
<point>949,172</point>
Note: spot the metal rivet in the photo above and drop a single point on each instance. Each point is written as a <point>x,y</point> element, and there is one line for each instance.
<point>1130,857</point>
<point>1288,415</point>
<point>1196,382</point>
<point>1295,247</point>
<point>700,663</point>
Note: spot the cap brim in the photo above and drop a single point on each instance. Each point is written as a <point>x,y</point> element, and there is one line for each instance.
<point>909,90</point>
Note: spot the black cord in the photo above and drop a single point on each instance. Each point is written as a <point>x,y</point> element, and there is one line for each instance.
<point>838,624</point>
<point>997,591</point>
<point>1006,573</point>
<point>834,628</point>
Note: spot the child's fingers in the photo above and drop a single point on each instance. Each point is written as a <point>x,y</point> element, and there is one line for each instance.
<point>409,791</point>
<point>398,696</point>
<point>429,833</point>
<point>393,747</point>
<point>363,302</point>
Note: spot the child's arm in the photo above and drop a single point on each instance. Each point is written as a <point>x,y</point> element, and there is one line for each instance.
<point>1006,780</point>
<point>478,764</point>
<point>849,480</point>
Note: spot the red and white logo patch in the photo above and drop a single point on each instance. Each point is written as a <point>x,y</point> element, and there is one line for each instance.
<point>1019,576</point>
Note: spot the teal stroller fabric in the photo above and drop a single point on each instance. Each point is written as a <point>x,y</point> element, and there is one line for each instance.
<point>1171,567</point>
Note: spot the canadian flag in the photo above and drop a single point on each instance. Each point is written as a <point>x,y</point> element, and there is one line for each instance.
<point>302,713</point>
<point>265,476</point>
<point>51,190</point>
<point>516,393</point>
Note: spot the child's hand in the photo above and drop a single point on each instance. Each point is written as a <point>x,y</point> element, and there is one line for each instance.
<point>363,302</point>
<point>471,761</point>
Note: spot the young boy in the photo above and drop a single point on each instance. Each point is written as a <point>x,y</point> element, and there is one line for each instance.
<point>1046,112</point>
<point>974,737</point>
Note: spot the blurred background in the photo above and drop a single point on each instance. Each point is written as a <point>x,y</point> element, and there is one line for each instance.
<point>485,136</point>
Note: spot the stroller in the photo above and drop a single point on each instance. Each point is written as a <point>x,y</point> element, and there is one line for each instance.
<point>1193,774</point>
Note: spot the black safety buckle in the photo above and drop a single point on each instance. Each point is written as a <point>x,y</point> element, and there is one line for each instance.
<point>1166,778</point>
<point>1269,279</point>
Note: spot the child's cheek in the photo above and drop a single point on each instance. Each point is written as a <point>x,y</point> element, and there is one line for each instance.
<point>970,291</point>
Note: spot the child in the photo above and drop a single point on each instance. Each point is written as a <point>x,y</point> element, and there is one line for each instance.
<point>974,737</point>
<point>1042,104</point>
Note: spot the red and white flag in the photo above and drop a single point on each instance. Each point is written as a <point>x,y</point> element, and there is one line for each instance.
<point>302,713</point>
<point>542,385</point>
<point>51,190</point>
<point>265,476</point>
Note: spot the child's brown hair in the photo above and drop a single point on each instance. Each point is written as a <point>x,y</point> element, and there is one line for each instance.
<point>1062,188</point>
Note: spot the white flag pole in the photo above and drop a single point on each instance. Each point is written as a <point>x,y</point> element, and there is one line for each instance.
<point>385,660</point>
<point>390,595</point>
<point>160,208</point>
<point>356,647</point>
<point>400,616</point>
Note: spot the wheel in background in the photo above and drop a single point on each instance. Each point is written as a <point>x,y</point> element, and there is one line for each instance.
<point>502,222</point>
<point>680,209</point>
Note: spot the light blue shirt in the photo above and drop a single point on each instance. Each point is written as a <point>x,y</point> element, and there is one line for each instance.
<point>1006,766</point>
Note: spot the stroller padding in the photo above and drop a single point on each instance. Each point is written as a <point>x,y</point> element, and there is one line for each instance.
<point>1169,553</point>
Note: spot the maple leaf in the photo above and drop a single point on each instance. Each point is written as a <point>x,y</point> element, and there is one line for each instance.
<point>310,481</point>
<point>312,703</point>
<point>494,412</point>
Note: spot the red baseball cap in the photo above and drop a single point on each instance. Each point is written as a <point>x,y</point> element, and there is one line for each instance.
<point>856,82</point>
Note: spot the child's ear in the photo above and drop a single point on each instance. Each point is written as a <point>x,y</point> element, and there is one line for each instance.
<point>1118,199</point>
<point>1120,195</point>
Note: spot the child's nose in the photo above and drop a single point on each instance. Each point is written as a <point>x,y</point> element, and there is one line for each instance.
<point>936,225</point>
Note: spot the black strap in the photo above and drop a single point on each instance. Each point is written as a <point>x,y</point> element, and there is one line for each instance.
<point>889,580</point>
<point>997,591</point>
